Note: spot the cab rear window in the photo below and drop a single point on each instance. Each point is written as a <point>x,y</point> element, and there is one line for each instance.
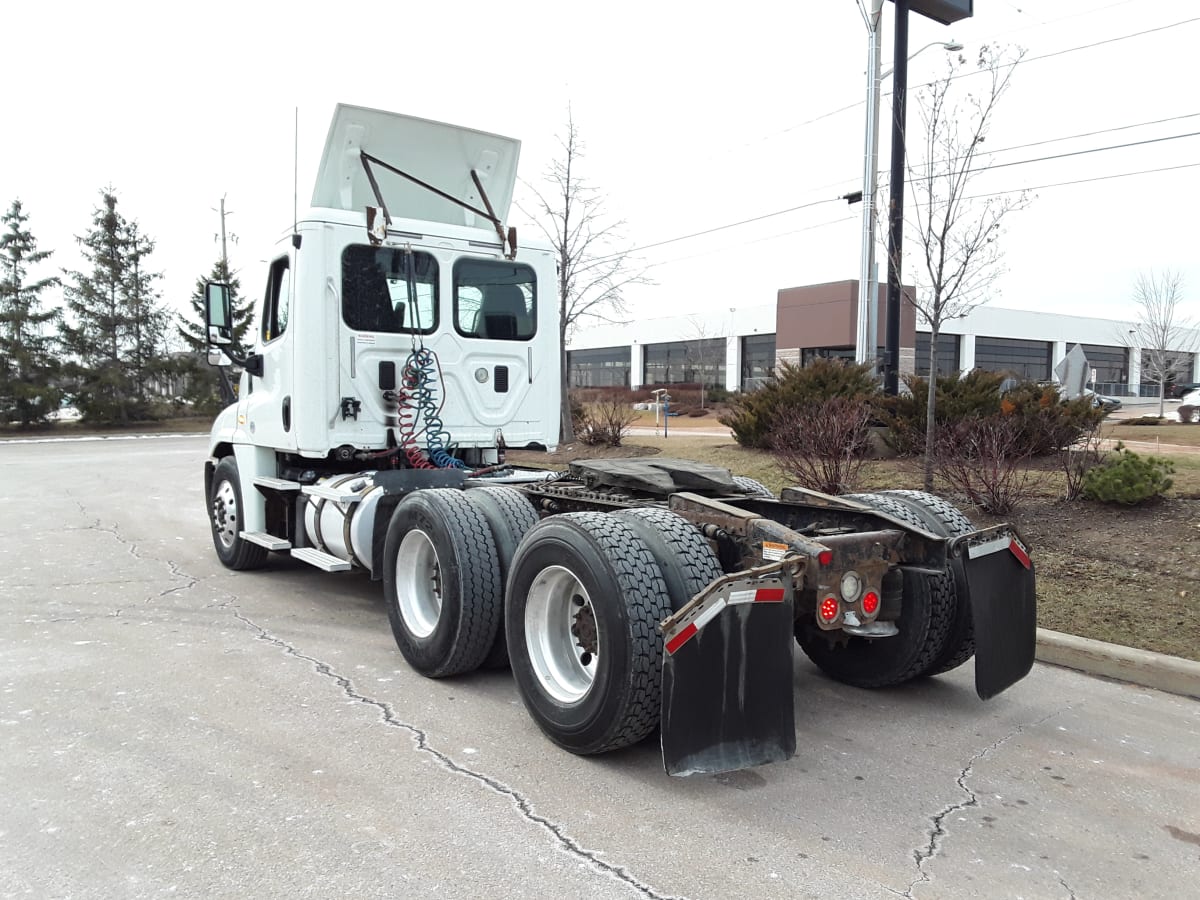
<point>494,300</point>
<point>379,293</point>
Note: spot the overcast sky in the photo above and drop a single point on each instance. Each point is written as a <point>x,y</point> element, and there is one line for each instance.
<point>695,115</point>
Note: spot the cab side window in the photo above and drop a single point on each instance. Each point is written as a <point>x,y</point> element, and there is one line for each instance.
<point>277,302</point>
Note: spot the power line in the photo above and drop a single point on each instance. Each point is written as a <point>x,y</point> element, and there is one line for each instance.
<point>770,237</point>
<point>684,237</point>
<point>1042,187</point>
<point>1021,162</point>
<point>1028,59</point>
<point>1082,134</point>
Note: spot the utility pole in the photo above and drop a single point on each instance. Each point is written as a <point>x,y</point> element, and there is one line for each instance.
<point>945,12</point>
<point>891,360</point>
<point>233,237</point>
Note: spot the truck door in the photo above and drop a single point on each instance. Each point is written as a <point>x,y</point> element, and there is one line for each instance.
<point>269,406</point>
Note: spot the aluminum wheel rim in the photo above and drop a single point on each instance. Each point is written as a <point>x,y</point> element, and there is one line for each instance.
<point>564,669</point>
<point>418,583</point>
<point>224,514</point>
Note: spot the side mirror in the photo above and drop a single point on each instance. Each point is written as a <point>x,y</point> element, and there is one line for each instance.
<point>217,357</point>
<point>218,313</point>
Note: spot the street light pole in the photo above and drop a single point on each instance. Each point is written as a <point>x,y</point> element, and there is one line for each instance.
<point>866,339</point>
<point>868,279</point>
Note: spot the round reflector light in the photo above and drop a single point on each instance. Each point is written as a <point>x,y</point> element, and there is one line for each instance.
<point>828,609</point>
<point>870,603</point>
<point>825,557</point>
<point>851,585</point>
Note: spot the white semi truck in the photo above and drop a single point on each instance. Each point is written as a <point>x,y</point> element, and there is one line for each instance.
<point>407,338</point>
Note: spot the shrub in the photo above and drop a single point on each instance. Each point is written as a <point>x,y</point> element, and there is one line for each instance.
<point>975,394</point>
<point>1081,457</point>
<point>752,415</point>
<point>1187,415</point>
<point>605,423</point>
<point>1125,477</point>
<point>983,457</point>
<point>1045,422</point>
<point>822,445</point>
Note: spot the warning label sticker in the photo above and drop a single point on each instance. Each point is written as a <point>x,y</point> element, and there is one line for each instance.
<point>774,551</point>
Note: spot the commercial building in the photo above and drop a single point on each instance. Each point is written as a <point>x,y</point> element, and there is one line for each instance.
<point>739,348</point>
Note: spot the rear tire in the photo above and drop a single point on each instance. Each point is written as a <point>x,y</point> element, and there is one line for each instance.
<point>225,515</point>
<point>945,518</point>
<point>585,598</point>
<point>509,515</point>
<point>687,561</point>
<point>442,582</point>
<point>927,612</point>
<point>752,486</point>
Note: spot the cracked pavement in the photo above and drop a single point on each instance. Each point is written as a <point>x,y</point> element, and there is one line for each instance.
<point>169,726</point>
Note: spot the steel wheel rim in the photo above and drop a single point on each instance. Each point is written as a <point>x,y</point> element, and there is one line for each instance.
<point>418,583</point>
<point>563,667</point>
<point>225,514</point>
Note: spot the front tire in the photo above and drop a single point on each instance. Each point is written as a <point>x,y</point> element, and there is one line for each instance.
<point>585,598</point>
<point>441,578</point>
<point>225,515</point>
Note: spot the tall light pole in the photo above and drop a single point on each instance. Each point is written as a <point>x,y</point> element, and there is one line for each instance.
<point>868,278</point>
<point>865,337</point>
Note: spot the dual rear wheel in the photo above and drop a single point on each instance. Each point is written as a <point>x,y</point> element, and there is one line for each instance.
<point>579,603</point>
<point>935,629</point>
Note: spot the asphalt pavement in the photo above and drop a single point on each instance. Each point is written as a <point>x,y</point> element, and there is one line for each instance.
<point>169,727</point>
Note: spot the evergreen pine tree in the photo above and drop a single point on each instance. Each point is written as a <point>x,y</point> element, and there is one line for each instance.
<point>191,327</point>
<point>27,363</point>
<point>117,325</point>
<point>202,381</point>
<point>148,320</point>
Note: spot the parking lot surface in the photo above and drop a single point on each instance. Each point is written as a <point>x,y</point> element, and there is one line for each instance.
<point>170,727</point>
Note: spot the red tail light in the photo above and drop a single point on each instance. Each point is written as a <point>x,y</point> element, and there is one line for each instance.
<point>870,603</point>
<point>825,557</point>
<point>828,610</point>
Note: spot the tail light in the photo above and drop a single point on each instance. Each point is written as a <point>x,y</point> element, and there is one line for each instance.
<point>828,610</point>
<point>870,603</point>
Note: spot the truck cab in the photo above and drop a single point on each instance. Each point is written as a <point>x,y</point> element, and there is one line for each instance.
<point>345,309</point>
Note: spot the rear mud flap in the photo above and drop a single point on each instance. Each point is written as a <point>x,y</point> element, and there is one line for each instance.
<point>993,569</point>
<point>727,681</point>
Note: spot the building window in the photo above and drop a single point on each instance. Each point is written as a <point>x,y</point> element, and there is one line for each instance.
<point>604,367</point>
<point>1109,363</point>
<point>808,354</point>
<point>686,362</point>
<point>947,354</point>
<point>758,360</point>
<point>1029,360</point>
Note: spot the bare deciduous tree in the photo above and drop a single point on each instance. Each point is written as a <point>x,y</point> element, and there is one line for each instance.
<point>593,270</point>
<point>703,356</point>
<point>956,234</point>
<point>1165,338</point>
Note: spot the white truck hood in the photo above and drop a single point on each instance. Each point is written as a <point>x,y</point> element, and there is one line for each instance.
<point>441,155</point>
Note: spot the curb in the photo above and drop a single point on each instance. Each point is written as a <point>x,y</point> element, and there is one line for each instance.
<point>1152,670</point>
